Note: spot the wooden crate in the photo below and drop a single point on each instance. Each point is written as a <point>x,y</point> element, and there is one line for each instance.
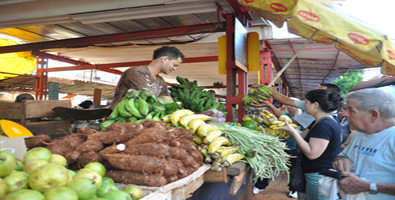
<point>29,112</point>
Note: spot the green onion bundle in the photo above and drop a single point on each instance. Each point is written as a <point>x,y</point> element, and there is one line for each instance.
<point>270,158</point>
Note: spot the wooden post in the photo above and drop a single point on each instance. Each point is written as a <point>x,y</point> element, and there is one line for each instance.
<point>97,97</point>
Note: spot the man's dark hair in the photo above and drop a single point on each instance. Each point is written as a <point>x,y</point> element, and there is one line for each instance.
<point>331,87</point>
<point>172,52</point>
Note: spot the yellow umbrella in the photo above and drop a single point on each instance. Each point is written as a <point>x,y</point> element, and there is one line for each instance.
<point>322,21</point>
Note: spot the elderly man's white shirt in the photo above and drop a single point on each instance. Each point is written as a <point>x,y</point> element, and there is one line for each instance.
<point>373,156</point>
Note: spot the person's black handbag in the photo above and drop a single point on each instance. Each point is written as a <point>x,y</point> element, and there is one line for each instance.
<point>297,180</point>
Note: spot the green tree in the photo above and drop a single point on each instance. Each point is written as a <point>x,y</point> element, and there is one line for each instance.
<point>348,80</point>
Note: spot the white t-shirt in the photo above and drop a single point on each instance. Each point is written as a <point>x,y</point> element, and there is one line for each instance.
<point>373,156</point>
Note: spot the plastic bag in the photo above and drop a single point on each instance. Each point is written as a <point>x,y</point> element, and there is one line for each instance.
<point>297,180</point>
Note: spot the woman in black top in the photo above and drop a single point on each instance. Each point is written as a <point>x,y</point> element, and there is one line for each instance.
<point>320,143</point>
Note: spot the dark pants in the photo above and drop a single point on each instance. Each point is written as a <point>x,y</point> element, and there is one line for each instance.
<point>262,184</point>
<point>293,160</point>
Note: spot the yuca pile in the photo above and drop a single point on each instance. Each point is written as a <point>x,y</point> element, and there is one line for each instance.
<point>148,153</point>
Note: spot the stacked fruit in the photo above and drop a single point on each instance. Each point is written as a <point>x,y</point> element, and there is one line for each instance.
<point>255,94</point>
<point>271,124</point>
<point>209,139</point>
<point>194,97</point>
<point>140,106</point>
<point>43,175</point>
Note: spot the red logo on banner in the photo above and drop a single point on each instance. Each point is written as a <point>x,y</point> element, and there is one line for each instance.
<point>278,7</point>
<point>390,54</point>
<point>293,30</point>
<point>358,39</point>
<point>308,16</point>
<point>369,63</point>
<point>249,1</point>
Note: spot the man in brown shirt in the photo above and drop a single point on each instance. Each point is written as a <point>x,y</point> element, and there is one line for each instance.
<point>165,60</point>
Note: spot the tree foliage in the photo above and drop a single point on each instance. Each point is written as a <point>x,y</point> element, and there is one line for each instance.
<point>348,80</point>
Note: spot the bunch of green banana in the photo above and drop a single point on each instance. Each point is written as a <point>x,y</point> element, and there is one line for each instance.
<point>255,94</point>
<point>194,97</point>
<point>138,106</point>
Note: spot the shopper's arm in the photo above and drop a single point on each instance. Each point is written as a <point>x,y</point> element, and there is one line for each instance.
<point>263,103</point>
<point>282,99</point>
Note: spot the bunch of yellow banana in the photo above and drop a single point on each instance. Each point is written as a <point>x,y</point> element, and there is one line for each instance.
<point>277,124</point>
<point>186,119</point>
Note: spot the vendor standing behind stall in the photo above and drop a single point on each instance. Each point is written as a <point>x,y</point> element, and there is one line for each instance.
<point>165,60</point>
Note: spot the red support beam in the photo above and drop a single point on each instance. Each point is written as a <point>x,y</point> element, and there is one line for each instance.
<point>80,65</point>
<point>119,37</point>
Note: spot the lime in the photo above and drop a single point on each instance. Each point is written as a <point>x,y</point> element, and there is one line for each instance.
<point>250,124</point>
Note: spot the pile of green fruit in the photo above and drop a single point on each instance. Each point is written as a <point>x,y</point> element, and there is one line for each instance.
<point>44,176</point>
<point>193,97</point>
<point>140,106</point>
<point>255,94</point>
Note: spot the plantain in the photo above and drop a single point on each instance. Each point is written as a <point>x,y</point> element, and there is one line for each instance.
<point>181,80</point>
<point>142,106</point>
<point>132,119</point>
<point>232,158</point>
<point>195,124</point>
<point>106,123</point>
<point>216,143</point>
<point>228,151</point>
<point>175,116</point>
<point>211,136</point>
<point>197,139</point>
<point>122,109</point>
<point>207,158</point>
<point>158,116</point>
<point>184,121</point>
<point>224,151</point>
<point>131,107</point>
<point>164,101</point>
<point>158,106</point>
<point>131,93</point>
<point>150,115</point>
<point>204,129</point>
<point>114,114</point>
<point>171,106</point>
<point>166,118</point>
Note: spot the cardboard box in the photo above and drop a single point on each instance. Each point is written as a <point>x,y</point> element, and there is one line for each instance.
<point>15,145</point>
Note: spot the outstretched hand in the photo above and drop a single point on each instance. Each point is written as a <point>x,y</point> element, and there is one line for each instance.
<point>263,103</point>
<point>287,127</point>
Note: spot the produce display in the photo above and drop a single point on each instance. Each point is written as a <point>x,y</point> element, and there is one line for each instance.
<point>44,176</point>
<point>140,106</point>
<point>264,153</point>
<point>208,138</point>
<point>194,97</point>
<point>269,123</point>
<point>255,94</point>
<point>148,153</point>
